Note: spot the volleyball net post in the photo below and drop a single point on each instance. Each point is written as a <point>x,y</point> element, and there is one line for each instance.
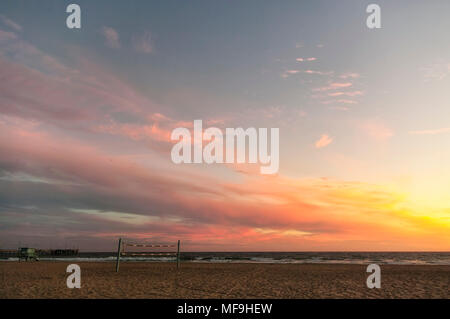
<point>178,254</point>
<point>119,250</point>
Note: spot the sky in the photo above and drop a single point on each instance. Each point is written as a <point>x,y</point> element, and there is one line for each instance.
<point>86,117</point>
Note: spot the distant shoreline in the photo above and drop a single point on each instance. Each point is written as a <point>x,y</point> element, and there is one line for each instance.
<point>357,258</point>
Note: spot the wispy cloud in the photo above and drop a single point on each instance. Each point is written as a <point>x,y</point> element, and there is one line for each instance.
<point>324,140</point>
<point>350,76</point>
<point>344,101</point>
<point>111,37</point>
<point>318,72</point>
<point>351,93</point>
<point>431,132</point>
<point>5,35</point>
<point>341,101</point>
<point>339,108</point>
<point>143,43</point>
<point>287,73</point>
<point>10,23</point>
<point>306,59</point>
<point>335,91</point>
<point>436,71</point>
<point>333,86</point>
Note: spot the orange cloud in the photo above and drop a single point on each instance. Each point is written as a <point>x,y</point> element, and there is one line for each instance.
<point>252,213</point>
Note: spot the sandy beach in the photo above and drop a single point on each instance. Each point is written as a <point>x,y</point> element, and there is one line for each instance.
<point>209,280</point>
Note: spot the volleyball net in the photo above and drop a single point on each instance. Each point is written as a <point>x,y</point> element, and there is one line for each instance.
<point>125,249</point>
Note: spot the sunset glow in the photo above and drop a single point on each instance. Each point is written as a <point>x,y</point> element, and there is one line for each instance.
<point>364,127</point>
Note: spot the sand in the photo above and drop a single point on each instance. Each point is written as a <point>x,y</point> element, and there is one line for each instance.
<point>202,280</point>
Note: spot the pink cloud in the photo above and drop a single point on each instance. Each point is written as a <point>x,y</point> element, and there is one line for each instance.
<point>159,129</point>
<point>323,141</point>
<point>136,132</point>
<point>44,88</point>
<point>287,73</point>
<point>111,37</point>
<point>351,93</point>
<point>87,99</point>
<point>333,86</point>
<point>340,85</point>
<point>318,72</point>
<point>205,211</point>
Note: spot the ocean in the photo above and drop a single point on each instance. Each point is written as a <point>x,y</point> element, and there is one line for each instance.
<point>393,258</point>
